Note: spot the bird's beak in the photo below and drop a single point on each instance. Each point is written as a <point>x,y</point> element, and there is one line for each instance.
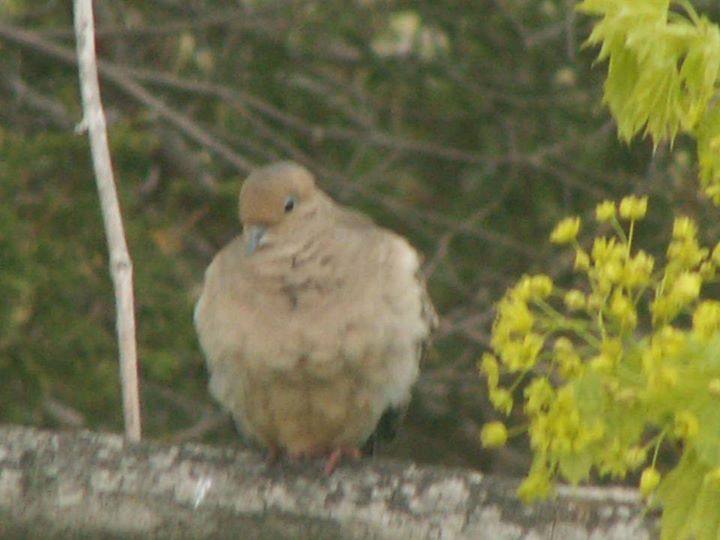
<point>255,238</point>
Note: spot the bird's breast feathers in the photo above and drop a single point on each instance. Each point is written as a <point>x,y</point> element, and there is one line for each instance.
<point>323,303</point>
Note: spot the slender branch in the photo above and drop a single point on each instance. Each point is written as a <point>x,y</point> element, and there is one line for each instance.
<point>235,20</point>
<point>314,131</point>
<point>47,106</point>
<point>126,79</point>
<point>208,423</point>
<point>180,121</point>
<point>120,263</point>
<point>119,78</point>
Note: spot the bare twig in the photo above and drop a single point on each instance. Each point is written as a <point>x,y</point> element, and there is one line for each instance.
<point>180,121</point>
<point>235,20</point>
<point>314,131</point>
<point>209,422</point>
<point>63,413</point>
<point>49,107</point>
<point>118,77</point>
<point>120,262</point>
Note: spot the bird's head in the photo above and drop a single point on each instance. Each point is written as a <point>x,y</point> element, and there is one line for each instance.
<point>274,200</point>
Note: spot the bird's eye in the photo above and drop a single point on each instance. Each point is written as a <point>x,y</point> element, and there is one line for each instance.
<point>289,204</point>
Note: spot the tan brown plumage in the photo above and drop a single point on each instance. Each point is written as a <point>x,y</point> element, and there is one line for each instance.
<point>313,320</point>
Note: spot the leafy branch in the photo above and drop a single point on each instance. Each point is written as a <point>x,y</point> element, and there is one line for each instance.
<point>649,376</point>
<point>663,72</point>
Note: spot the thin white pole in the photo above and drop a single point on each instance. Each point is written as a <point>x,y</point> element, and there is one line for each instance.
<point>121,268</point>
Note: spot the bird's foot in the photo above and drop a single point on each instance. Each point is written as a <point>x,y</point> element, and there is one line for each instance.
<point>336,457</point>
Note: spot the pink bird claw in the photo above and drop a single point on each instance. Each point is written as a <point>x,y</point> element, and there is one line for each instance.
<point>336,457</point>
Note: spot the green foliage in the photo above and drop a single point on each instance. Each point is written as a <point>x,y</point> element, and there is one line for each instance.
<point>663,69</point>
<point>690,495</point>
<point>40,274</point>
<point>619,366</point>
<point>57,340</point>
<point>629,360</point>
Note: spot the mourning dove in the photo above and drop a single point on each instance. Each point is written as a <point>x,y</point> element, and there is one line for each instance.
<point>312,321</point>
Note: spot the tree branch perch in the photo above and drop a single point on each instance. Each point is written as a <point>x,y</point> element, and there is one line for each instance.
<point>92,485</point>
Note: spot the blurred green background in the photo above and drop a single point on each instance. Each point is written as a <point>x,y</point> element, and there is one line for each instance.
<point>470,127</point>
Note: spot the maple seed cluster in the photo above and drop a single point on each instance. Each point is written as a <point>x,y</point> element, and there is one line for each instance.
<point>599,394</point>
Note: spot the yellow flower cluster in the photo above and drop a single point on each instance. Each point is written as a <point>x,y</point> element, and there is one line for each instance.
<point>607,372</point>
<point>687,267</point>
<point>566,231</point>
<point>633,208</point>
<point>493,435</point>
<point>649,481</point>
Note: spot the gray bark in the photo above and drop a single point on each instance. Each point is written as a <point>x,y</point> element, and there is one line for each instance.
<point>88,485</point>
